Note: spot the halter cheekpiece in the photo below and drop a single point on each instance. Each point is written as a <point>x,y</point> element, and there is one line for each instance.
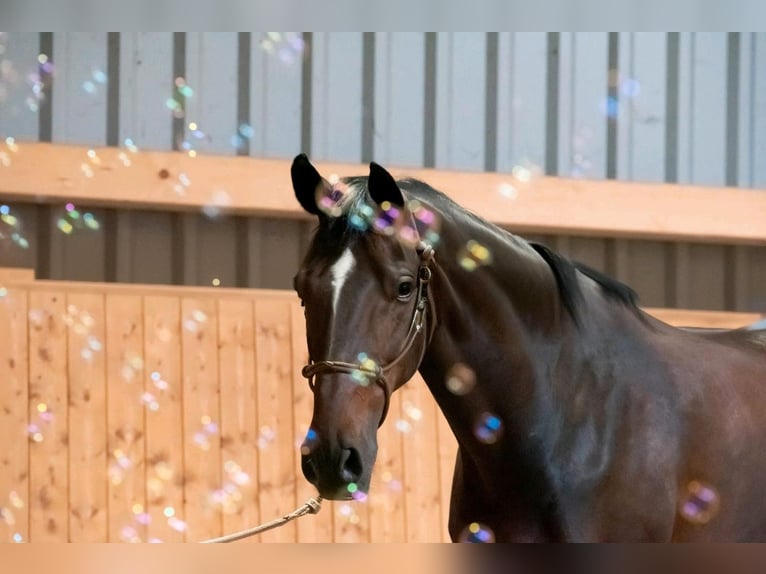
<point>377,372</point>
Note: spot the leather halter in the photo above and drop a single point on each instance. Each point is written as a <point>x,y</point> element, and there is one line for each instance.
<point>377,372</point>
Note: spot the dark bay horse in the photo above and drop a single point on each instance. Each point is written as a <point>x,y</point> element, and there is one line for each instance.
<point>578,417</point>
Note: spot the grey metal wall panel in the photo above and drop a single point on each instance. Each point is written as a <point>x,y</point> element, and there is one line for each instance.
<point>583,111</point>
<point>275,97</point>
<point>521,100</point>
<point>702,112</point>
<point>399,98</point>
<point>146,84</point>
<point>336,131</point>
<point>641,83</point>
<point>460,102</point>
<point>18,100</point>
<point>79,98</point>
<point>151,247</point>
<point>211,71</point>
<point>758,124</point>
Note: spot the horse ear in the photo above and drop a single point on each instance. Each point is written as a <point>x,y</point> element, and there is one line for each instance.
<point>306,180</point>
<point>382,186</point>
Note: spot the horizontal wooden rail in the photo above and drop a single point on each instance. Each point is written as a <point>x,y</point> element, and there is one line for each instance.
<point>677,317</point>
<point>527,204</point>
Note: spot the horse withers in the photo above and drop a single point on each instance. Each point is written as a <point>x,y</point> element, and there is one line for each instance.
<point>578,417</point>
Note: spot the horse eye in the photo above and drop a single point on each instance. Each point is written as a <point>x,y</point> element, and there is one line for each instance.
<point>405,289</point>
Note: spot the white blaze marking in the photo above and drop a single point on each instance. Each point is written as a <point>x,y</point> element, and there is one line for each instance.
<point>340,271</point>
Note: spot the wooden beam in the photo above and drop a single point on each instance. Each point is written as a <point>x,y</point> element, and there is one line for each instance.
<point>677,317</point>
<point>48,173</point>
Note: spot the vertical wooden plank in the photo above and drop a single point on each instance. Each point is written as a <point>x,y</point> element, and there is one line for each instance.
<point>125,376</point>
<point>201,418</point>
<point>702,121</point>
<point>164,419</point>
<point>275,95</point>
<point>584,107</point>
<point>422,485</point>
<point>447,449</point>
<point>317,528</point>
<point>239,424</point>
<point>642,93</point>
<point>211,71</point>
<point>336,101</point>
<point>277,468</point>
<point>521,100</point>
<point>387,513</point>
<point>146,68</point>
<point>14,419</point>
<point>460,102</point>
<point>88,505</point>
<point>18,100</point>
<point>48,419</point>
<point>399,96</point>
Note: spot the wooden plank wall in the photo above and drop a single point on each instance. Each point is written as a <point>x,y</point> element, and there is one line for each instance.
<point>175,414</point>
<point>132,414</point>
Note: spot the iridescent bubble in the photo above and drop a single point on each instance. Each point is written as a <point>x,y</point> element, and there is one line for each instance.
<point>461,379</point>
<point>477,533</point>
<point>3,291</point>
<point>177,524</point>
<point>169,512</point>
<point>144,518</point>
<point>150,401</point>
<point>700,503</point>
<point>6,515</point>
<point>403,426</point>
<point>330,200</point>
<point>219,201</point>
<point>474,255</point>
<point>413,412</point>
<point>89,87</point>
<point>246,131</point>
<point>17,538</point>
<point>64,226</point>
<point>508,191</point>
<point>99,76</point>
<point>129,534</point>
<point>15,500</point>
<point>630,87</point>
<point>488,428</point>
<point>610,107</point>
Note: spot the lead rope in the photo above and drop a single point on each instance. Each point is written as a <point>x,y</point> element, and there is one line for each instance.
<point>311,506</point>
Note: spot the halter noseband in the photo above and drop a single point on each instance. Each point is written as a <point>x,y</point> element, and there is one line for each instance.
<point>377,372</point>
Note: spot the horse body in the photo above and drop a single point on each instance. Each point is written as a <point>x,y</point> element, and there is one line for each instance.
<point>605,416</point>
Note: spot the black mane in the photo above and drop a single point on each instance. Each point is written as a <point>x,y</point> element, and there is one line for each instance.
<point>565,272</point>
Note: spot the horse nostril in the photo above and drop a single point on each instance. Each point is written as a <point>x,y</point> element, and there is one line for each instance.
<point>351,465</point>
<point>307,466</point>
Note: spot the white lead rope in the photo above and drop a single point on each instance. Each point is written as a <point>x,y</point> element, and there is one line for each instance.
<point>311,506</point>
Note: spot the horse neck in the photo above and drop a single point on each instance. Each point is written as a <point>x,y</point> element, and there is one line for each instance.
<point>501,320</point>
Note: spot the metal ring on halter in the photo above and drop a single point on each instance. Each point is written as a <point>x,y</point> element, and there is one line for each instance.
<point>376,373</point>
